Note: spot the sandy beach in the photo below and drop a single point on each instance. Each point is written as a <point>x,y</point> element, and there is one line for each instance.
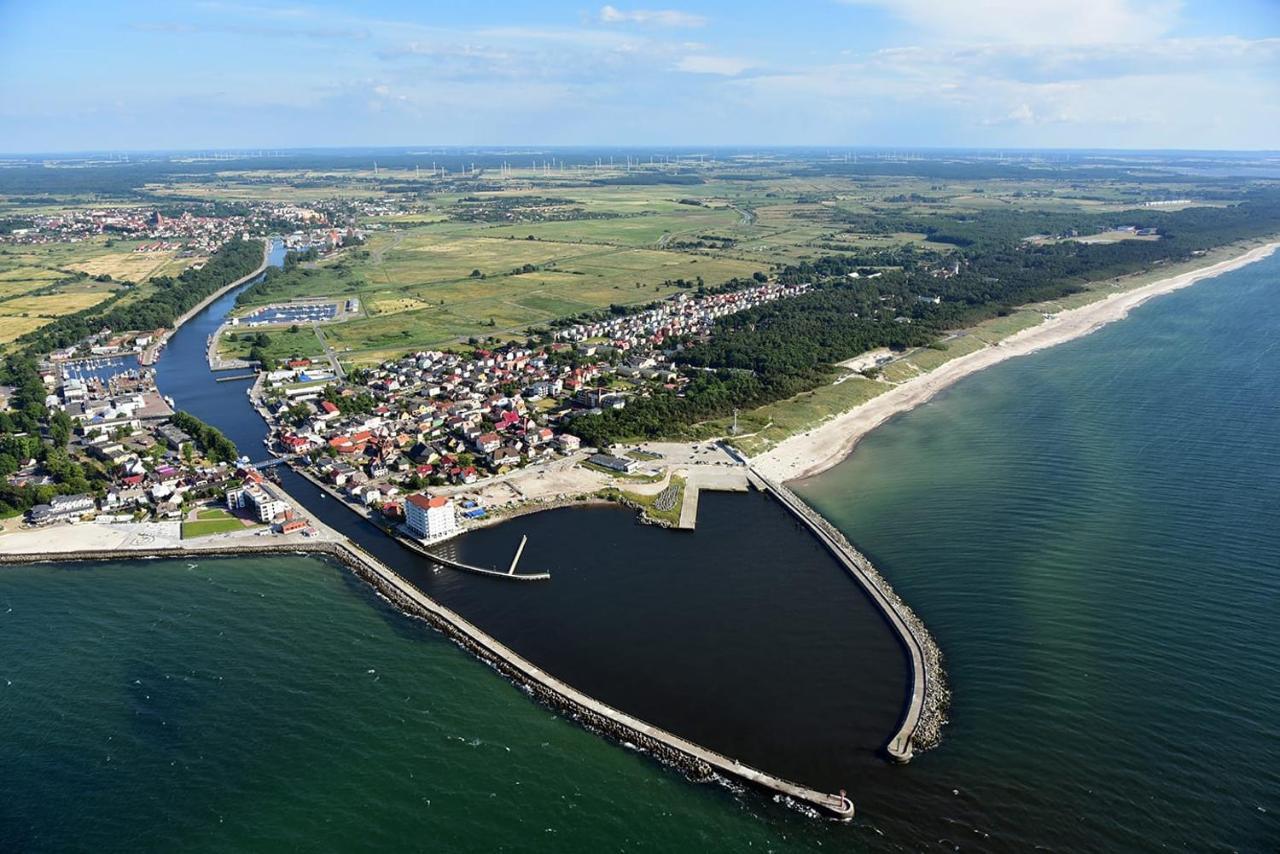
<point>821,448</point>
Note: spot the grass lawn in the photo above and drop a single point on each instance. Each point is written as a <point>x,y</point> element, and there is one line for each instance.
<point>212,520</point>
<point>284,344</point>
<point>774,422</point>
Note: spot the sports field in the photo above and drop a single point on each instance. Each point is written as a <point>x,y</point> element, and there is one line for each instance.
<point>212,520</point>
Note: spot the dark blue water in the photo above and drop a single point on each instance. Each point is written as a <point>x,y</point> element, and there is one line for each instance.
<point>182,373</point>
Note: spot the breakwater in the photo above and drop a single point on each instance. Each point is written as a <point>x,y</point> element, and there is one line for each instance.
<point>697,762</point>
<point>925,714</point>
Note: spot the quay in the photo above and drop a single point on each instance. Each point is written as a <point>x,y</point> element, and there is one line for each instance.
<point>235,378</point>
<point>697,762</point>
<point>925,713</point>
<point>410,543</point>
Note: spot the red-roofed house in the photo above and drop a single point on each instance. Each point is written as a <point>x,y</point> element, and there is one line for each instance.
<point>431,518</point>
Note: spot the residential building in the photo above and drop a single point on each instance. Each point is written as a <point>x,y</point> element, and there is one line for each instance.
<point>430,518</point>
<point>260,499</point>
<point>62,508</point>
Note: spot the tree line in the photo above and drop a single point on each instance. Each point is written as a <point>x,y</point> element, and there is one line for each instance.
<point>775,351</point>
<point>169,298</point>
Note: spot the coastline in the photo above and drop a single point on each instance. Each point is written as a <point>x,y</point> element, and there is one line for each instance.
<point>821,448</point>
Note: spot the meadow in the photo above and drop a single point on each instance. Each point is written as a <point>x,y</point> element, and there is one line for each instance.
<point>492,254</point>
<point>39,283</point>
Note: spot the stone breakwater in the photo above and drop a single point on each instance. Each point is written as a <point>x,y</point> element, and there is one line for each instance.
<point>926,713</point>
<point>696,762</point>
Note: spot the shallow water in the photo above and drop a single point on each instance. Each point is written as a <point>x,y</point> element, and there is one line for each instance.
<point>1093,535</point>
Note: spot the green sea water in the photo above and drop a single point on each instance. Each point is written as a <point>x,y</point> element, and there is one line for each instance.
<point>1091,532</point>
<point>278,704</point>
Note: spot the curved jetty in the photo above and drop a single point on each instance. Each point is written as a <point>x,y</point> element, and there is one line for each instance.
<point>698,762</point>
<point>921,724</point>
<point>414,546</point>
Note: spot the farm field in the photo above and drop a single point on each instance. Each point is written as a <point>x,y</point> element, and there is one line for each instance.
<point>417,288</point>
<point>544,245</point>
<point>42,282</point>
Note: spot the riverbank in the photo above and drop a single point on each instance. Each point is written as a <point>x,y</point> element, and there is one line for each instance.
<point>149,355</point>
<point>824,446</point>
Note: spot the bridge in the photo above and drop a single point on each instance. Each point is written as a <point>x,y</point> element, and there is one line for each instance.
<point>271,463</point>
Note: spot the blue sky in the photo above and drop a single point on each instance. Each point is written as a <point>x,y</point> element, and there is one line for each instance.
<point>940,73</point>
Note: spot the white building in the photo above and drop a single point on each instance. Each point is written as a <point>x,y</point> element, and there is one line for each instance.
<point>61,508</point>
<point>265,503</point>
<point>430,518</point>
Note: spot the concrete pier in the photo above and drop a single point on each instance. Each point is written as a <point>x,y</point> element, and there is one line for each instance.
<point>510,575</point>
<point>924,716</point>
<point>519,551</point>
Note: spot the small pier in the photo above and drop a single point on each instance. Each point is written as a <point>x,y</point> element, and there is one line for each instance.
<point>519,551</point>
<point>507,575</point>
<point>235,378</point>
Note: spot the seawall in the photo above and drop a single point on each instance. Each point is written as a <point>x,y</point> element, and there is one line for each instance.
<point>697,762</point>
<point>925,714</point>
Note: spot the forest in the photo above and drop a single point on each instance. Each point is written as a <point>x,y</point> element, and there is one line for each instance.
<point>778,350</point>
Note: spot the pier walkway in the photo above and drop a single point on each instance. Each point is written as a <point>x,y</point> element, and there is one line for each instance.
<point>414,546</point>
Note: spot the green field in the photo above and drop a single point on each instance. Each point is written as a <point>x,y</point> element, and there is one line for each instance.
<point>762,428</point>
<point>416,286</point>
<point>42,282</point>
<point>284,344</point>
<point>549,245</point>
<point>211,520</point>
<point>648,503</point>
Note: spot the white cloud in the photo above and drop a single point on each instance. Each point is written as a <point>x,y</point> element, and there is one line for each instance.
<point>650,17</point>
<point>1036,21</point>
<point>725,66</point>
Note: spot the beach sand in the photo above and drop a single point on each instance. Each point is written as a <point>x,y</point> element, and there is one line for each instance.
<point>819,449</point>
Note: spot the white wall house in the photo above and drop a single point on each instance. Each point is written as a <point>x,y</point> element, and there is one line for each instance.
<point>432,518</point>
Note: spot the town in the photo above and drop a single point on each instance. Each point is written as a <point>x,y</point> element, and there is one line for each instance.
<point>324,225</point>
<point>410,443</point>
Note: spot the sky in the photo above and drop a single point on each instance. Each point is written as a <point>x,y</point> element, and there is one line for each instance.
<point>206,74</point>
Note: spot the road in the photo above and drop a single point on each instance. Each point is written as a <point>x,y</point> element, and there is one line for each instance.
<point>330,353</point>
